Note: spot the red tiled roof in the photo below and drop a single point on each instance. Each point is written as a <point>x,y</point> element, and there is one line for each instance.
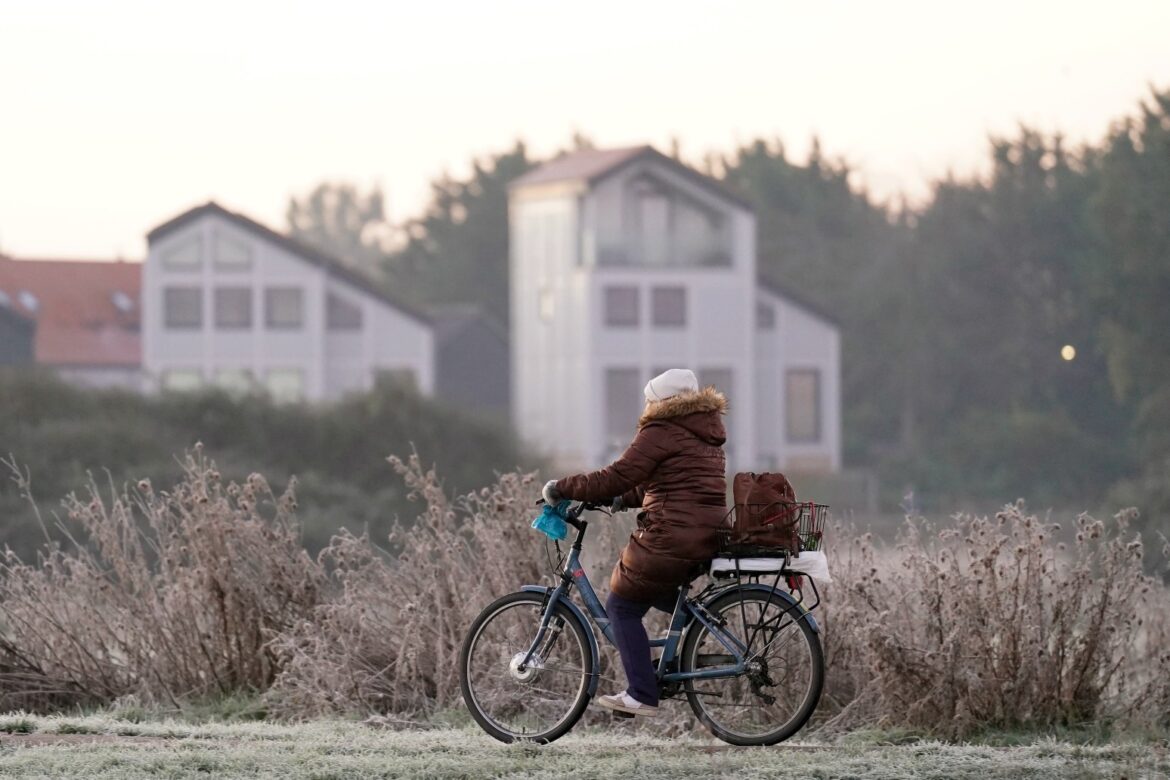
<point>76,308</point>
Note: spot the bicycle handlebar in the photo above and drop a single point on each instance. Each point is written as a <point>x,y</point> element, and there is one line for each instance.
<point>573,514</point>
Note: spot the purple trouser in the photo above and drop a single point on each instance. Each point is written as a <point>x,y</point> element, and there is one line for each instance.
<point>625,617</point>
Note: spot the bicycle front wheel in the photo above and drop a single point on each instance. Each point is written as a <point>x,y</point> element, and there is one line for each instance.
<point>539,701</point>
<point>785,669</point>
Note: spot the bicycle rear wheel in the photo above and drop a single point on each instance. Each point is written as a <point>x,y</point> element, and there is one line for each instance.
<point>786,669</point>
<point>540,702</point>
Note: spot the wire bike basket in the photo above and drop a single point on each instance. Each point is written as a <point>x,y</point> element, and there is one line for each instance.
<point>777,529</point>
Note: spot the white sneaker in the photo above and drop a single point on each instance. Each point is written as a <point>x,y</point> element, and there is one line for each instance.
<point>624,702</point>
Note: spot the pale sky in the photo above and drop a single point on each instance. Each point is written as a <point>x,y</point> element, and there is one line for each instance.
<point>117,115</point>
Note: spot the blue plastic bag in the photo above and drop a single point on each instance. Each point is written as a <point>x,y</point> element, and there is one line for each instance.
<point>551,521</point>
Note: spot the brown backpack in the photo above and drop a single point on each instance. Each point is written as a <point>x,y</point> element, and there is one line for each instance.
<point>766,513</point>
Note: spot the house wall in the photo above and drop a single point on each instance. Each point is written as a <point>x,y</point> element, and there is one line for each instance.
<point>799,340</point>
<point>330,363</point>
<point>16,338</point>
<point>550,338</point>
<point>104,377</point>
<point>560,362</point>
<point>471,369</point>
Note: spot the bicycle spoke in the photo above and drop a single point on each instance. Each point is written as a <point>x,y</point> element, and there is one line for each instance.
<point>532,701</point>
<point>779,675</point>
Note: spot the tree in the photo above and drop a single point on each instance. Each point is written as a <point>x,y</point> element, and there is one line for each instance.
<point>823,237</point>
<point>1133,285</point>
<point>458,250</point>
<point>341,221</point>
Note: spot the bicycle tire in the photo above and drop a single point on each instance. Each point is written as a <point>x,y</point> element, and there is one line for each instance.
<point>815,684</point>
<point>579,632</point>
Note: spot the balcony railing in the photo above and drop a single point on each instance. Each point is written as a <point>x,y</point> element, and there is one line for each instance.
<point>635,254</point>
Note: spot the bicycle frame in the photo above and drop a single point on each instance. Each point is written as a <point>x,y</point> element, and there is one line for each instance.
<point>685,613</point>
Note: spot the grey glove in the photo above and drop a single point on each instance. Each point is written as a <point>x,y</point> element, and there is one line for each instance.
<point>617,505</point>
<point>550,494</point>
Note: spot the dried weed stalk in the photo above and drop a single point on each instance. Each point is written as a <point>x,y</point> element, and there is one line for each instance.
<point>164,595</point>
<point>994,622</point>
<point>389,640</point>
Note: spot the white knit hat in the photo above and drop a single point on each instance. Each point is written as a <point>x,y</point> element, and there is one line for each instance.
<point>671,382</point>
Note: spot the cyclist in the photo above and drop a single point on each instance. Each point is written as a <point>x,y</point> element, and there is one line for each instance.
<point>674,470</point>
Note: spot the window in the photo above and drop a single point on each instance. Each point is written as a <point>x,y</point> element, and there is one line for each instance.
<point>232,255</point>
<point>181,380</point>
<point>802,411</point>
<point>765,316</point>
<point>28,300</point>
<point>236,381</point>
<point>342,314</point>
<point>397,377</point>
<point>185,255</point>
<point>623,405</point>
<point>285,385</point>
<point>284,307</point>
<point>546,304</point>
<point>233,307</point>
<point>621,307</point>
<point>669,305</point>
<point>122,302</point>
<point>723,379</point>
<point>183,307</point>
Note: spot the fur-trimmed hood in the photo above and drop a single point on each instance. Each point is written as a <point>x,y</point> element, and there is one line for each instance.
<point>699,412</point>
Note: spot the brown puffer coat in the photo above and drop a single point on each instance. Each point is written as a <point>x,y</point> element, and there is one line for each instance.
<point>675,470</point>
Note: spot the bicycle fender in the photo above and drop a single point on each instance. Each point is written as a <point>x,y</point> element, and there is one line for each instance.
<point>776,593</point>
<point>594,650</point>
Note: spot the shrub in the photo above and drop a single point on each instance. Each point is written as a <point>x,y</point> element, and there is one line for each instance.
<point>167,595</point>
<point>996,623</point>
<point>389,639</point>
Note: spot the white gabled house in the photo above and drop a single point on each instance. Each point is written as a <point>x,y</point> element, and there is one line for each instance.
<point>624,263</point>
<point>230,302</point>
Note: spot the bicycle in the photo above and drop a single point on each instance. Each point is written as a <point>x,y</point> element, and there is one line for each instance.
<point>746,654</point>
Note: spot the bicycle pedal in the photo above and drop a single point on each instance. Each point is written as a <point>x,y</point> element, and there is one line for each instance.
<point>623,715</point>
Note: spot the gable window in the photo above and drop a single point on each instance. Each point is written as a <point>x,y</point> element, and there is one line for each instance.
<point>342,314</point>
<point>402,378</point>
<point>669,306</point>
<point>181,380</point>
<point>621,307</point>
<point>234,381</point>
<point>802,408</point>
<point>186,255</point>
<point>233,308</point>
<point>183,307</point>
<point>765,316</point>
<point>284,307</point>
<point>232,255</point>
<point>285,385</point>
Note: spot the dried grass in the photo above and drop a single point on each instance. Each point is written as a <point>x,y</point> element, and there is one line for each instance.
<point>167,596</point>
<point>996,623</point>
<point>1001,622</point>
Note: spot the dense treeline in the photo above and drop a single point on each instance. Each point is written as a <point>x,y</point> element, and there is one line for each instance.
<point>954,314</point>
<point>337,452</point>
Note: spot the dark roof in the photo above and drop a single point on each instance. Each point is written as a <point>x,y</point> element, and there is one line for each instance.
<point>799,300</point>
<point>450,320</point>
<point>593,165</point>
<point>75,304</point>
<point>332,265</point>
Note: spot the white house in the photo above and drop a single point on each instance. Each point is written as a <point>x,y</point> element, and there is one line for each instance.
<point>625,262</point>
<point>226,300</point>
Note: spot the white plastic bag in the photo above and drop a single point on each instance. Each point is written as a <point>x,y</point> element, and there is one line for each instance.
<point>813,563</point>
